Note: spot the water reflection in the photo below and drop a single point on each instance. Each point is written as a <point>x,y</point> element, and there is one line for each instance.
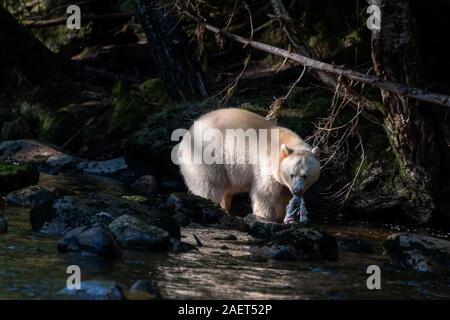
<point>30,267</point>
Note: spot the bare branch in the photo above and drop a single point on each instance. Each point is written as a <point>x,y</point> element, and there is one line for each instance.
<point>399,88</point>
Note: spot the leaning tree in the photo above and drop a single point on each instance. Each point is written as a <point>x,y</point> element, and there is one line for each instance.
<point>178,67</point>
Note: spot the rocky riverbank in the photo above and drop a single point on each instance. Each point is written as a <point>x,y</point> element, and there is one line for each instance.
<point>113,218</point>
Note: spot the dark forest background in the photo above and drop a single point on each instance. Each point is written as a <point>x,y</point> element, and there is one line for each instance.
<point>137,70</point>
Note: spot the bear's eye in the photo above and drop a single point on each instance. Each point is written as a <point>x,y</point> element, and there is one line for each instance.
<point>304,176</point>
<point>292,176</point>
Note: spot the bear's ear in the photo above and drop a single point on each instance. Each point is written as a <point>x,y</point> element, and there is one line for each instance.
<point>316,152</point>
<point>286,150</point>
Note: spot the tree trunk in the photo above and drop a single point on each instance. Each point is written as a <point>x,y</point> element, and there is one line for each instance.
<point>411,125</point>
<point>21,51</point>
<point>178,67</point>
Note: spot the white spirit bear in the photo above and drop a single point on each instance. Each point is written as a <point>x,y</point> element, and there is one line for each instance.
<point>243,152</point>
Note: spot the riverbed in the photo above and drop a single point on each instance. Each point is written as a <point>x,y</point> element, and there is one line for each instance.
<point>31,267</point>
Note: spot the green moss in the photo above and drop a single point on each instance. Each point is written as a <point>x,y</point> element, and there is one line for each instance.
<point>9,169</point>
<point>154,137</point>
<point>61,125</point>
<point>154,92</point>
<point>13,177</point>
<point>138,199</point>
<point>303,107</point>
<point>131,106</point>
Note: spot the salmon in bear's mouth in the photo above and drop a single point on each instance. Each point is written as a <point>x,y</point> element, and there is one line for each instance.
<point>296,211</point>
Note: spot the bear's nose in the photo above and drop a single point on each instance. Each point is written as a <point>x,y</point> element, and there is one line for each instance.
<point>297,186</point>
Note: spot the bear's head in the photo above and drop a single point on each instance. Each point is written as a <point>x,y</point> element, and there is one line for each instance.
<point>299,169</point>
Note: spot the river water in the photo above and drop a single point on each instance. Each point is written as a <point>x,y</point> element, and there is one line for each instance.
<point>31,268</point>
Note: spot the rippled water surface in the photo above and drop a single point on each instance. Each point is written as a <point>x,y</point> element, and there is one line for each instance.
<point>31,268</point>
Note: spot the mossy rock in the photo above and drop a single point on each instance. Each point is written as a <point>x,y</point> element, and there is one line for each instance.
<point>62,124</point>
<point>14,177</point>
<point>154,138</point>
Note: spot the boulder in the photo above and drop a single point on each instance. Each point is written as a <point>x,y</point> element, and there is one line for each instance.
<point>355,245</point>
<point>95,290</point>
<point>147,185</point>
<point>298,243</point>
<point>51,159</point>
<point>107,167</point>
<point>230,222</point>
<point>228,237</point>
<point>261,229</point>
<point>189,208</point>
<point>47,158</point>
<point>134,233</point>
<point>95,240</point>
<point>375,207</point>
<point>14,177</point>
<point>31,197</point>
<point>69,212</point>
<point>418,252</point>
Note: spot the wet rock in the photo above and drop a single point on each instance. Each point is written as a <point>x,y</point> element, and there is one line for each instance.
<point>105,217</point>
<point>95,240</point>
<point>143,290</point>
<point>177,246</point>
<point>299,243</point>
<point>14,177</point>
<point>376,208</point>
<point>134,233</point>
<point>3,224</point>
<point>47,158</point>
<point>418,252</point>
<point>95,290</point>
<point>228,237</point>
<point>230,222</point>
<point>107,167</point>
<point>164,221</point>
<point>189,208</point>
<point>261,229</point>
<point>254,258</point>
<point>355,245</point>
<point>51,159</point>
<point>147,185</point>
<point>69,212</point>
<point>31,197</point>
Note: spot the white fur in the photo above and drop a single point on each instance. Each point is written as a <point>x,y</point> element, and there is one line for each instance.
<point>269,193</point>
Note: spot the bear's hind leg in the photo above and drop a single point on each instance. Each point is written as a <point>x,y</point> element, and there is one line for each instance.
<point>226,200</point>
<point>205,181</point>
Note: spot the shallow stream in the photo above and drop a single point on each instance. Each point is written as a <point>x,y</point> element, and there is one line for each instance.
<point>31,268</point>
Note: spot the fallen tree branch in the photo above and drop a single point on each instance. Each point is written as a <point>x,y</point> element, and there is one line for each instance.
<point>84,18</point>
<point>398,88</point>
